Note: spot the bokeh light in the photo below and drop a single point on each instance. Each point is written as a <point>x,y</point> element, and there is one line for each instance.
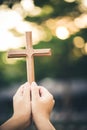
<point>62,32</point>
<point>14,25</point>
<point>81,21</point>
<point>70,1</point>
<point>8,40</point>
<point>78,42</point>
<point>27,5</point>
<point>85,48</point>
<point>84,3</point>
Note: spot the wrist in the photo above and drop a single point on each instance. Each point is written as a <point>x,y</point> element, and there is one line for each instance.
<point>20,121</point>
<point>45,125</point>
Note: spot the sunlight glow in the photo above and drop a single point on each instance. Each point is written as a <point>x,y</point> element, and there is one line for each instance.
<point>8,40</point>
<point>85,48</point>
<point>12,20</point>
<point>84,2</point>
<point>18,8</point>
<point>23,26</point>
<point>81,22</point>
<point>9,19</point>
<point>28,5</point>
<point>13,25</point>
<point>79,42</point>
<point>62,32</point>
<point>70,1</point>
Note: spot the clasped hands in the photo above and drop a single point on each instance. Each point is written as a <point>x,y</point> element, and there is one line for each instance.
<point>31,103</point>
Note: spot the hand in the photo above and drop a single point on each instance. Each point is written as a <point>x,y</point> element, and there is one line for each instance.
<point>22,110</point>
<point>22,105</point>
<point>42,105</point>
<point>39,103</point>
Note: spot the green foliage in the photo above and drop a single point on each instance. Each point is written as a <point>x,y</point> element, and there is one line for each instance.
<point>11,73</point>
<point>59,8</point>
<point>63,63</point>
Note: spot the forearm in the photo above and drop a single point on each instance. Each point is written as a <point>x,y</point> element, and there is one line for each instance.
<point>44,124</point>
<point>12,124</point>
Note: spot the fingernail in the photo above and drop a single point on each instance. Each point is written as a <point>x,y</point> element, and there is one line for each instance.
<point>27,85</point>
<point>33,84</point>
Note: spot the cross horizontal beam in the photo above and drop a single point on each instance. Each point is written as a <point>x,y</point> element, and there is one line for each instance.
<point>29,53</point>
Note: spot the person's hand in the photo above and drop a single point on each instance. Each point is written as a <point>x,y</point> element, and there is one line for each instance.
<point>42,105</point>
<point>22,110</point>
<point>22,105</point>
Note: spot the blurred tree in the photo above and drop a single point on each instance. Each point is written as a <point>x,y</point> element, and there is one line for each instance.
<point>66,61</point>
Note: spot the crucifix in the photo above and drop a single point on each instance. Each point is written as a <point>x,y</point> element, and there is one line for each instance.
<point>29,53</point>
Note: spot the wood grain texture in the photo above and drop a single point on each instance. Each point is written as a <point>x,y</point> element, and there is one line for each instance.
<point>29,53</point>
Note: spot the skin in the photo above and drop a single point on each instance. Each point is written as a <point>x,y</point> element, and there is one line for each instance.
<point>31,102</point>
<point>42,105</point>
<point>22,110</point>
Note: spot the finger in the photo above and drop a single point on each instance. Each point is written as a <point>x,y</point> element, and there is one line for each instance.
<point>44,92</point>
<point>34,91</point>
<point>20,90</point>
<point>26,93</point>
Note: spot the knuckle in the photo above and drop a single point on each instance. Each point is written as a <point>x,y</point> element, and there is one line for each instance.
<point>53,101</point>
<point>13,97</point>
<point>51,97</point>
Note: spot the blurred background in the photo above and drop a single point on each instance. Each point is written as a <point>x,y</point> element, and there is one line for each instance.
<point>57,24</point>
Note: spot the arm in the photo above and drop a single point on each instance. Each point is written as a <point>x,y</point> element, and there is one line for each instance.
<point>12,124</point>
<point>22,110</point>
<point>42,105</point>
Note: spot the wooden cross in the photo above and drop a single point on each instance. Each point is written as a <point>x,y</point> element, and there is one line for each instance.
<point>29,53</point>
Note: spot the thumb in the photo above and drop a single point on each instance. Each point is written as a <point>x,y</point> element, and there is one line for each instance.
<point>44,92</point>
<point>27,91</point>
<point>34,91</point>
<point>46,95</point>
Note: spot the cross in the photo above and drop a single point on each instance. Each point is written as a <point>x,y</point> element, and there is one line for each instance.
<point>29,53</point>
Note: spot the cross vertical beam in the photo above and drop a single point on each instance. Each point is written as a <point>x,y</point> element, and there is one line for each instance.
<point>29,53</point>
<point>29,58</point>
